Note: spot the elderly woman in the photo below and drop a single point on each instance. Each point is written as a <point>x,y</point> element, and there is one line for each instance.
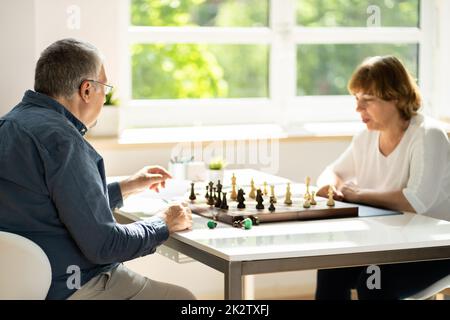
<point>401,162</point>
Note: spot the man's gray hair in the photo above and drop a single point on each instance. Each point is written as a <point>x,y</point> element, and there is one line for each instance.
<point>64,65</point>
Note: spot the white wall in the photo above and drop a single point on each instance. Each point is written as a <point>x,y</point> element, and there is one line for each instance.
<point>17,54</point>
<point>29,26</point>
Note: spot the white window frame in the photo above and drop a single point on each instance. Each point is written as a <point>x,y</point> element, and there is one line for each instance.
<point>282,106</point>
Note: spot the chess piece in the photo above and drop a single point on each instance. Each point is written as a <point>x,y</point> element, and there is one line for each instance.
<point>214,194</point>
<point>330,201</point>
<point>233,195</point>
<point>211,195</point>
<point>219,187</point>
<point>252,193</point>
<point>287,199</point>
<point>271,207</point>
<point>241,199</point>
<point>259,199</point>
<point>224,204</point>
<point>272,193</point>
<point>307,194</point>
<point>265,188</point>
<point>306,204</point>
<point>211,224</point>
<point>246,223</point>
<point>313,200</point>
<point>207,193</point>
<point>255,220</point>
<point>218,203</point>
<point>192,196</point>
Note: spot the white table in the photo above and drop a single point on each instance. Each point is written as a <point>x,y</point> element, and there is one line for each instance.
<point>297,245</point>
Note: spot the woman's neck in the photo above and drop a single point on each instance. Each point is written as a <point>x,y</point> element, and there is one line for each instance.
<point>392,135</point>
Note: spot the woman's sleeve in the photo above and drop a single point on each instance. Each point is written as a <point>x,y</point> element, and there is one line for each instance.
<point>344,166</point>
<point>429,161</point>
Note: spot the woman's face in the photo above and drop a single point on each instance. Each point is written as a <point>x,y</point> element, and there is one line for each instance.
<point>376,113</point>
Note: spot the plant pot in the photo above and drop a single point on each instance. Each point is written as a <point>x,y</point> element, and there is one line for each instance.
<point>215,175</point>
<point>107,123</point>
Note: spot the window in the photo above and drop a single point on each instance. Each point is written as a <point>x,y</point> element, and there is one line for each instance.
<point>194,62</point>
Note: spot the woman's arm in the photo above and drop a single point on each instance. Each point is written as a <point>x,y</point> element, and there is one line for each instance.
<point>394,200</point>
<point>327,178</point>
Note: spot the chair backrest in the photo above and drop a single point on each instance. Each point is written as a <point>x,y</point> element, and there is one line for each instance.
<point>432,290</point>
<point>25,272</point>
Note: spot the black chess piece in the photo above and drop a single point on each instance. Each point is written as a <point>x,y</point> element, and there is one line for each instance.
<point>271,207</point>
<point>224,204</point>
<point>219,186</point>
<point>207,193</point>
<point>259,199</point>
<point>211,196</point>
<point>241,199</point>
<point>192,196</point>
<point>218,199</point>
<point>214,194</point>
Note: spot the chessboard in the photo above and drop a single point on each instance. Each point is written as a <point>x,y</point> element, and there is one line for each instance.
<point>262,206</point>
<point>283,212</point>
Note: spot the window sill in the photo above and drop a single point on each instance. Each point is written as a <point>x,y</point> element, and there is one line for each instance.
<point>307,132</point>
<point>318,131</point>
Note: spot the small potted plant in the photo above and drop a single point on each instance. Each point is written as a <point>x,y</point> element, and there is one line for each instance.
<point>216,170</point>
<point>108,121</point>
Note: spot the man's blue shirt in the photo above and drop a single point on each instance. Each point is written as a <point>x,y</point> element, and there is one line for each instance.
<point>53,191</point>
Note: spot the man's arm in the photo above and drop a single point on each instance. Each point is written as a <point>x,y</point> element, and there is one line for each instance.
<point>115,195</point>
<point>78,193</point>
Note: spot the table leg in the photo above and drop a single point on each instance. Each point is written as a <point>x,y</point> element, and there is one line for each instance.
<point>233,281</point>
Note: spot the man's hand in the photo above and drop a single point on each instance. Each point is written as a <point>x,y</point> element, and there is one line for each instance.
<point>323,192</point>
<point>152,177</point>
<point>178,217</point>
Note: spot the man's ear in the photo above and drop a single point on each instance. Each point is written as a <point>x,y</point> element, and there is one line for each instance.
<point>86,90</point>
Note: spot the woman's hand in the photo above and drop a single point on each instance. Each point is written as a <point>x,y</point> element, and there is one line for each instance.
<point>323,192</point>
<point>351,192</point>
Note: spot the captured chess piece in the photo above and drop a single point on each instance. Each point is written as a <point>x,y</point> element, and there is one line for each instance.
<point>245,223</point>
<point>288,195</point>
<point>307,182</point>
<point>241,199</point>
<point>330,201</point>
<point>224,204</point>
<point>313,200</point>
<point>233,195</point>
<point>252,193</point>
<point>272,193</point>
<point>211,224</point>
<point>259,200</point>
<point>271,207</point>
<point>192,196</point>
<point>265,189</point>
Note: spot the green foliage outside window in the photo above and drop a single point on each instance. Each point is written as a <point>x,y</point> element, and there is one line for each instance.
<point>171,71</point>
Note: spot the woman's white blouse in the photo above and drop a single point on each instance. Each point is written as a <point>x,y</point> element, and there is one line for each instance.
<point>419,166</point>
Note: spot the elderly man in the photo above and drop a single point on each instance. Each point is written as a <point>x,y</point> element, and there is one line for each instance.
<point>53,189</point>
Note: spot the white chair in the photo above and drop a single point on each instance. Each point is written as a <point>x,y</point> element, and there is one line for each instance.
<point>25,272</point>
<point>432,290</point>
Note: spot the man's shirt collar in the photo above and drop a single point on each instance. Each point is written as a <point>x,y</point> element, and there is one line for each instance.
<point>45,101</point>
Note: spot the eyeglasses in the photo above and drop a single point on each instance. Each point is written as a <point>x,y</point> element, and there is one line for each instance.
<point>108,88</point>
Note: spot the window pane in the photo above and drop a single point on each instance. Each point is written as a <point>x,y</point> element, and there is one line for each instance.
<point>223,13</point>
<point>170,71</point>
<point>357,13</point>
<point>326,69</point>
